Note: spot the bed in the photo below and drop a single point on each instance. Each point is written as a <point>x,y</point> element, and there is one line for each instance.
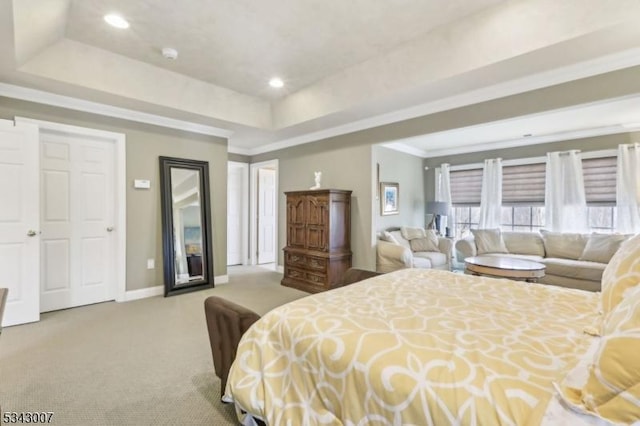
<point>421,347</point>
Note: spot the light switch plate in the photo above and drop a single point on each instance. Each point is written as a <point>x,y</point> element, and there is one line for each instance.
<point>142,183</point>
<point>151,263</point>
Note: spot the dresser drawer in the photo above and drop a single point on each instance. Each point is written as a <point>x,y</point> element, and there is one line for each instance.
<point>295,259</point>
<point>294,273</point>
<point>317,264</point>
<point>316,278</point>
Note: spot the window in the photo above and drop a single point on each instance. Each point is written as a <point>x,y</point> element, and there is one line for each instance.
<point>522,218</point>
<point>600,190</point>
<point>523,191</point>
<point>466,218</point>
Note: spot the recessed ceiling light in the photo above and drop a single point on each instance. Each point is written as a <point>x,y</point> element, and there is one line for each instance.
<point>170,53</point>
<point>276,82</point>
<point>116,21</point>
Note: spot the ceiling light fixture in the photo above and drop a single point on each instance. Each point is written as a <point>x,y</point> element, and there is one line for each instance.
<point>170,53</point>
<point>116,21</point>
<point>276,82</point>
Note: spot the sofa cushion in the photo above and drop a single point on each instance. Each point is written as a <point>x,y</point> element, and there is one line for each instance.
<point>410,233</point>
<point>435,258</point>
<point>524,243</point>
<point>563,245</point>
<point>400,239</point>
<point>421,262</point>
<point>388,237</point>
<point>579,269</point>
<point>602,247</point>
<point>427,243</point>
<point>489,241</point>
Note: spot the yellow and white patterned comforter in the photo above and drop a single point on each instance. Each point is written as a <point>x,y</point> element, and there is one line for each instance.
<point>413,347</point>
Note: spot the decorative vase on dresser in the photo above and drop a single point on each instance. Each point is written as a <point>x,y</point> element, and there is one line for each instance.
<point>318,249</point>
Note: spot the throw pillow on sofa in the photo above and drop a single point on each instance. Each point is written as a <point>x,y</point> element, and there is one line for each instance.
<point>388,237</point>
<point>601,247</point>
<point>412,233</point>
<point>427,243</point>
<point>563,245</point>
<point>489,241</point>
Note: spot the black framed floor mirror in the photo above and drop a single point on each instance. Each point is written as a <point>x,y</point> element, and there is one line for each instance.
<point>186,225</point>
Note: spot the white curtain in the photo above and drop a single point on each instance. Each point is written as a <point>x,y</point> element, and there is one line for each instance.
<point>628,189</point>
<point>491,194</point>
<point>565,204</point>
<point>443,193</point>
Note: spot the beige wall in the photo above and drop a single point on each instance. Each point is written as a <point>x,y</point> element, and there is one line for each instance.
<point>145,143</point>
<point>585,144</point>
<point>407,171</point>
<point>239,158</point>
<point>344,165</point>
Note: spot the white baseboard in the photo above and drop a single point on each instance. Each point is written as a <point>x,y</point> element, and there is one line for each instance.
<point>280,269</point>
<point>221,279</point>
<point>143,293</point>
<point>159,290</point>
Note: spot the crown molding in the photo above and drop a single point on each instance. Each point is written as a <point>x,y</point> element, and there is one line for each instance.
<point>47,98</point>
<point>407,149</point>
<point>238,150</point>
<point>532,140</point>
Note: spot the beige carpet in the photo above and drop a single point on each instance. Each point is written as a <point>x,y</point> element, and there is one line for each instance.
<point>145,362</point>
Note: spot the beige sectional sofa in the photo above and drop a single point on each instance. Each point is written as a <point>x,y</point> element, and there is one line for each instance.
<point>412,248</point>
<point>571,260</point>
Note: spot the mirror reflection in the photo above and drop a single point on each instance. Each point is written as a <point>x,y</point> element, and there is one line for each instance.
<point>187,225</point>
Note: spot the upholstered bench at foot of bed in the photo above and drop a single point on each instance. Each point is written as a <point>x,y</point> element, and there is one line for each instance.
<point>226,322</point>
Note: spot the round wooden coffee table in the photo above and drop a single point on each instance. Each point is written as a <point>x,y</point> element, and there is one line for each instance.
<point>504,267</point>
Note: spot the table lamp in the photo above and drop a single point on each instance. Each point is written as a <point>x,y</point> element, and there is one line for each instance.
<point>437,209</point>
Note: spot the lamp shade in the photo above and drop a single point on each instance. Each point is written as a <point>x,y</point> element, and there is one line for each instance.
<point>437,208</point>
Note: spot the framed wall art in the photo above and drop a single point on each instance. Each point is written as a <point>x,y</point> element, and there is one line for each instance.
<point>389,198</point>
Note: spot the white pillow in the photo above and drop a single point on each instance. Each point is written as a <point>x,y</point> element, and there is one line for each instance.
<point>489,241</point>
<point>601,247</point>
<point>427,243</point>
<point>387,236</point>
<point>411,233</point>
<point>563,245</point>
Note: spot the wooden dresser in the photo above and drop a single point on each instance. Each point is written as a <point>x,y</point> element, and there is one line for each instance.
<point>318,249</point>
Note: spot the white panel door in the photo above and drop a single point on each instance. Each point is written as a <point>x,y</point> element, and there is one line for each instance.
<point>266,216</point>
<point>77,216</point>
<point>235,211</point>
<point>19,221</point>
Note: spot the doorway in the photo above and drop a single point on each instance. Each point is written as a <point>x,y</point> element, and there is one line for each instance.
<point>237,213</point>
<point>81,205</point>
<point>264,213</point>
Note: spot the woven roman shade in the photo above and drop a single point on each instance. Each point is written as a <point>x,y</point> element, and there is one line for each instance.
<point>466,186</point>
<point>600,180</point>
<point>523,184</point>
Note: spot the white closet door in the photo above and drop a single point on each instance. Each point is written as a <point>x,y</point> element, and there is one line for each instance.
<point>235,211</point>
<point>77,216</point>
<point>19,221</point>
<point>266,216</point>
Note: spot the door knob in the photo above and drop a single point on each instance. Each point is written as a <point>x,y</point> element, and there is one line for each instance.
<point>109,228</point>
<point>31,233</point>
